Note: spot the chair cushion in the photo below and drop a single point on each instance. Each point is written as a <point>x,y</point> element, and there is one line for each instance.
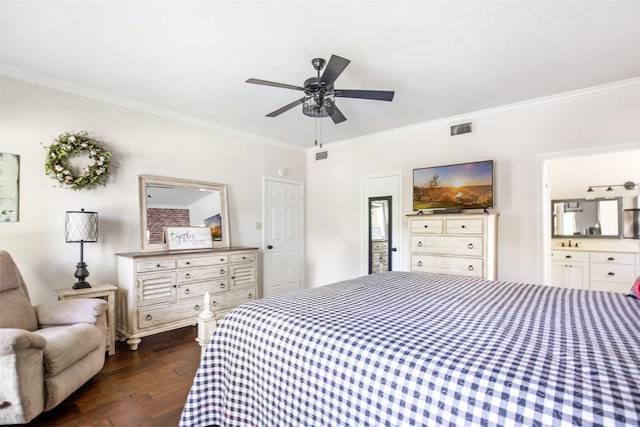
<point>15,307</point>
<point>16,311</point>
<point>68,344</point>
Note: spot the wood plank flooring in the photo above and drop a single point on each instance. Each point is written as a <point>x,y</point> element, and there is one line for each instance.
<point>147,387</point>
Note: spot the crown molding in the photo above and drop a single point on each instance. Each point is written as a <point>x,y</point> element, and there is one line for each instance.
<point>85,92</point>
<point>507,108</point>
<point>131,104</point>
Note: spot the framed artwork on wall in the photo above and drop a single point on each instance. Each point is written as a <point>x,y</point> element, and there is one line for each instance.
<point>9,187</point>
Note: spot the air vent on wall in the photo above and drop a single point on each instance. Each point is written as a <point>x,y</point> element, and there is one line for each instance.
<point>321,155</point>
<point>460,129</point>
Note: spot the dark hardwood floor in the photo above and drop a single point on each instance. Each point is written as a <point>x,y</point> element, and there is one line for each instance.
<point>147,387</point>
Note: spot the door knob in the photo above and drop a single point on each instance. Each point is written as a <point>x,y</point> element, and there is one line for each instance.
<point>269,247</point>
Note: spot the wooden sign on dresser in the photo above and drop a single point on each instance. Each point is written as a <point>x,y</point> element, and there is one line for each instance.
<point>162,291</point>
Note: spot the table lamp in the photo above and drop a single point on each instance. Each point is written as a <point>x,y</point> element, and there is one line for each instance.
<point>81,227</point>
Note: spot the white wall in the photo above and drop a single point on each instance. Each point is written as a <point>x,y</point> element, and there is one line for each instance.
<point>32,116</point>
<point>570,177</point>
<point>515,137</point>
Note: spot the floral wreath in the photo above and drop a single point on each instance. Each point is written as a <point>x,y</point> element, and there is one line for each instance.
<point>72,144</point>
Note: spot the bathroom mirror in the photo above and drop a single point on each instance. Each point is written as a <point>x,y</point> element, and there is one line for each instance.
<point>380,234</point>
<point>597,218</point>
<point>172,202</point>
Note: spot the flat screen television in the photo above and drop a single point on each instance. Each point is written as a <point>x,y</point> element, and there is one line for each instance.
<point>453,187</point>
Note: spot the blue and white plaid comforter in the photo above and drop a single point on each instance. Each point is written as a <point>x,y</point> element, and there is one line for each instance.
<point>404,349</point>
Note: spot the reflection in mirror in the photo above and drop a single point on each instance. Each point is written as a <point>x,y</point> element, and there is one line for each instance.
<point>598,218</point>
<point>379,234</point>
<point>171,202</point>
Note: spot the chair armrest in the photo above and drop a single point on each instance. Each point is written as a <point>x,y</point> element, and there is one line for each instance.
<point>15,340</point>
<point>68,312</point>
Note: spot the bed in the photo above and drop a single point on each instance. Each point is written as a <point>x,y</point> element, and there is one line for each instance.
<point>397,348</point>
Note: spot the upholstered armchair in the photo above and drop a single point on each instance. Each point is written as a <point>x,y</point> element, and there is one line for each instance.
<point>47,351</point>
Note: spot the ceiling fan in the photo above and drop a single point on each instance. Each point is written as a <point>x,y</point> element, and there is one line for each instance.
<point>319,93</point>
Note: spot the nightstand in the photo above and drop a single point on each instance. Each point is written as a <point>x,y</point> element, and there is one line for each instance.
<point>106,292</point>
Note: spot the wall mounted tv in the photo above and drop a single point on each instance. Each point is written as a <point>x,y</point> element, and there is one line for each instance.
<point>453,187</point>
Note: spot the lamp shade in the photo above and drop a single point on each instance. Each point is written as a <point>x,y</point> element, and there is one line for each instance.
<point>81,226</point>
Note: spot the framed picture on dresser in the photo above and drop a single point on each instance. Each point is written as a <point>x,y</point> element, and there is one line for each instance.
<point>188,237</point>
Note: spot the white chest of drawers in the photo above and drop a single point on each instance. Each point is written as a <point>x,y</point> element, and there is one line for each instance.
<point>461,244</point>
<point>161,291</point>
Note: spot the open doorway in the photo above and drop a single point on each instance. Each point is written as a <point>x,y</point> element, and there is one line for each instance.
<point>568,175</point>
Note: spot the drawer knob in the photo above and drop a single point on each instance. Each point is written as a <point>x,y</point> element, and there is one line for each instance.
<point>611,258</point>
<point>463,226</point>
<point>222,285</point>
<point>157,265</point>
<point>221,259</point>
<point>250,296</point>
<point>214,303</point>
<point>233,277</point>
<point>470,245</point>
<point>419,243</point>
<point>426,226</point>
<point>188,262</point>
<point>187,291</point>
<point>196,307</point>
<point>567,256</point>
<point>611,273</point>
<point>187,276</point>
<point>222,271</point>
<point>149,317</point>
<point>244,257</point>
<point>470,268</point>
<point>419,263</point>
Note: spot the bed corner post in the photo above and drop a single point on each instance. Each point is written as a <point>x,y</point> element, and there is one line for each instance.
<point>206,324</point>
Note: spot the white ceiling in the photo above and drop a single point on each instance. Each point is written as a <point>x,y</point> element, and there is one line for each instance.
<point>190,59</point>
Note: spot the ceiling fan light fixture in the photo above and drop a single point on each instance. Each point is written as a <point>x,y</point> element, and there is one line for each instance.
<point>320,93</point>
<point>314,108</point>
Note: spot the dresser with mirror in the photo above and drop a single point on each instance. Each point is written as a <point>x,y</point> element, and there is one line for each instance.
<point>161,287</point>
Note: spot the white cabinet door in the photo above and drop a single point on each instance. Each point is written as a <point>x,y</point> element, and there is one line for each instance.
<point>577,276</point>
<point>557,274</point>
<point>570,275</point>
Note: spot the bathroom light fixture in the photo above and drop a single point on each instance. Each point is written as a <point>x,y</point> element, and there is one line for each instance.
<point>629,185</point>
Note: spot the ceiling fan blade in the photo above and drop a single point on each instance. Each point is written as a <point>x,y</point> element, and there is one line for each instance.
<point>334,68</point>
<point>274,84</point>
<point>286,107</point>
<point>335,114</point>
<point>378,95</point>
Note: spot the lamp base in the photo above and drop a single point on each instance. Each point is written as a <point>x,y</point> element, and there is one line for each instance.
<point>81,285</point>
<point>81,274</point>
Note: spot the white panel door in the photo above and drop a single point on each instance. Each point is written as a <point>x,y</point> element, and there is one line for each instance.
<point>283,236</point>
